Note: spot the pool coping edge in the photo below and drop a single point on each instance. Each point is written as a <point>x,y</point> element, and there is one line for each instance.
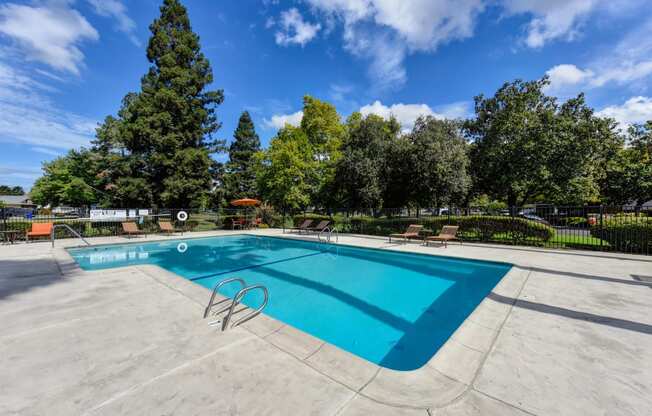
<point>433,386</point>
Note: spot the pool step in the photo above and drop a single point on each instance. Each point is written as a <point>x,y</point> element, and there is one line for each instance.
<point>235,301</point>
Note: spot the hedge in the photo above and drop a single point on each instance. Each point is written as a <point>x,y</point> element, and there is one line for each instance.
<point>473,227</point>
<point>633,236</point>
<point>83,227</point>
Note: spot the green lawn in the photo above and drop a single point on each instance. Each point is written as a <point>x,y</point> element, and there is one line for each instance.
<point>571,240</point>
<point>559,240</point>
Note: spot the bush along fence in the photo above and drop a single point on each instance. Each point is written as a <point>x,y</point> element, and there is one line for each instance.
<point>109,223</point>
<point>621,229</point>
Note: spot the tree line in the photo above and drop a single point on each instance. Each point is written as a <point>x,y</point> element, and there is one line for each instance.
<point>11,190</point>
<point>521,146</point>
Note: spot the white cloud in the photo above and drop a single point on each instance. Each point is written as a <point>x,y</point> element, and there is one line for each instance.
<point>386,31</point>
<point>460,109</point>
<point>628,62</point>
<point>627,72</point>
<point>270,22</point>
<point>48,33</point>
<point>30,117</point>
<point>566,74</point>
<point>23,176</point>
<point>294,30</point>
<point>407,114</point>
<point>46,151</point>
<point>552,19</point>
<point>117,10</point>
<point>280,120</point>
<point>338,92</point>
<point>636,110</point>
<point>567,79</point>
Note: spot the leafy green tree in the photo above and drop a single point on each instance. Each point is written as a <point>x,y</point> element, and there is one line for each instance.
<point>11,190</point>
<point>68,180</point>
<point>439,162</point>
<point>162,136</point>
<point>525,145</point>
<point>285,171</point>
<point>361,169</point>
<point>579,150</point>
<point>239,176</point>
<point>324,130</point>
<point>398,191</point>
<point>629,175</point>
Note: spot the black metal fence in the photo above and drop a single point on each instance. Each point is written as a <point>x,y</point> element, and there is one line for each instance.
<point>16,222</point>
<point>606,228</point>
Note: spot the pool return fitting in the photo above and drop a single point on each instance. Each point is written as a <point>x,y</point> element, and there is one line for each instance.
<point>235,301</point>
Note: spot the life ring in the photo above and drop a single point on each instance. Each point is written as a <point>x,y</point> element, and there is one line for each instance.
<point>182,216</point>
<point>182,247</point>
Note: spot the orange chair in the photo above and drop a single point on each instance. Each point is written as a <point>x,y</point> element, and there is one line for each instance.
<point>40,229</point>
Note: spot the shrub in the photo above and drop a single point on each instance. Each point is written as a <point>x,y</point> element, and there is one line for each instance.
<point>473,227</point>
<point>634,236</point>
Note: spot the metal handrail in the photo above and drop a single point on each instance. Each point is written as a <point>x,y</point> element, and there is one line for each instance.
<point>337,235</point>
<point>236,300</point>
<point>66,226</point>
<point>330,234</point>
<point>215,289</point>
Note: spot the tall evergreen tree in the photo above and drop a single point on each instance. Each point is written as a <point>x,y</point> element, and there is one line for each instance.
<point>163,134</point>
<point>240,177</point>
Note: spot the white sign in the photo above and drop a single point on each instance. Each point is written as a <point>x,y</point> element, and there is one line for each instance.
<point>108,214</point>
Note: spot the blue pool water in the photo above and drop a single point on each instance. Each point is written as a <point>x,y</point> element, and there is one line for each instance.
<point>393,309</point>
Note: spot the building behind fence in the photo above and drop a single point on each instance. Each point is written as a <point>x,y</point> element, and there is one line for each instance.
<point>604,228</point>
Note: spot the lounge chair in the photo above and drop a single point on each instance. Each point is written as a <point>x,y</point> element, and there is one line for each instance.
<point>448,233</point>
<point>167,227</point>
<point>255,222</point>
<point>39,229</point>
<point>237,222</point>
<point>411,232</point>
<point>319,227</point>
<point>131,229</point>
<point>303,226</point>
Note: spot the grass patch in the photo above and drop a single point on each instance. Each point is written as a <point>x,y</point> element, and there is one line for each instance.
<point>577,240</point>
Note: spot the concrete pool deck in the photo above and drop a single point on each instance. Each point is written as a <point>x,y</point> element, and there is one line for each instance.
<point>564,333</point>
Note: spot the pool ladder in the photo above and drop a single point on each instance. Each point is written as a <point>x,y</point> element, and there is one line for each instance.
<point>235,301</point>
<point>328,231</point>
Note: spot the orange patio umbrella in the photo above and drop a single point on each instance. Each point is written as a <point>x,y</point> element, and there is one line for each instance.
<point>245,202</point>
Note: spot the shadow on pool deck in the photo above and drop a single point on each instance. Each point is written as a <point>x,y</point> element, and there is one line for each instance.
<point>573,314</point>
<point>26,274</point>
<point>592,277</point>
<point>558,251</point>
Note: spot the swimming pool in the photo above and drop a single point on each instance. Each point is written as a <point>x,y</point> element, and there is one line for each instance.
<point>393,309</point>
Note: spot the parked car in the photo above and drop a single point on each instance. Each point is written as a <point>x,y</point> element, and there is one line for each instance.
<point>533,217</point>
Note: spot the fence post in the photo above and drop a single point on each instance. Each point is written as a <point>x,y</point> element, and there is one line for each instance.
<point>601,227</point>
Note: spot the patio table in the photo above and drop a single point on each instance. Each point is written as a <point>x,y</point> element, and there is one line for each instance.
<point>425,233</point>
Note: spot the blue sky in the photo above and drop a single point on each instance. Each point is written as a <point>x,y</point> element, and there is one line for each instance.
<point>65,65</point>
